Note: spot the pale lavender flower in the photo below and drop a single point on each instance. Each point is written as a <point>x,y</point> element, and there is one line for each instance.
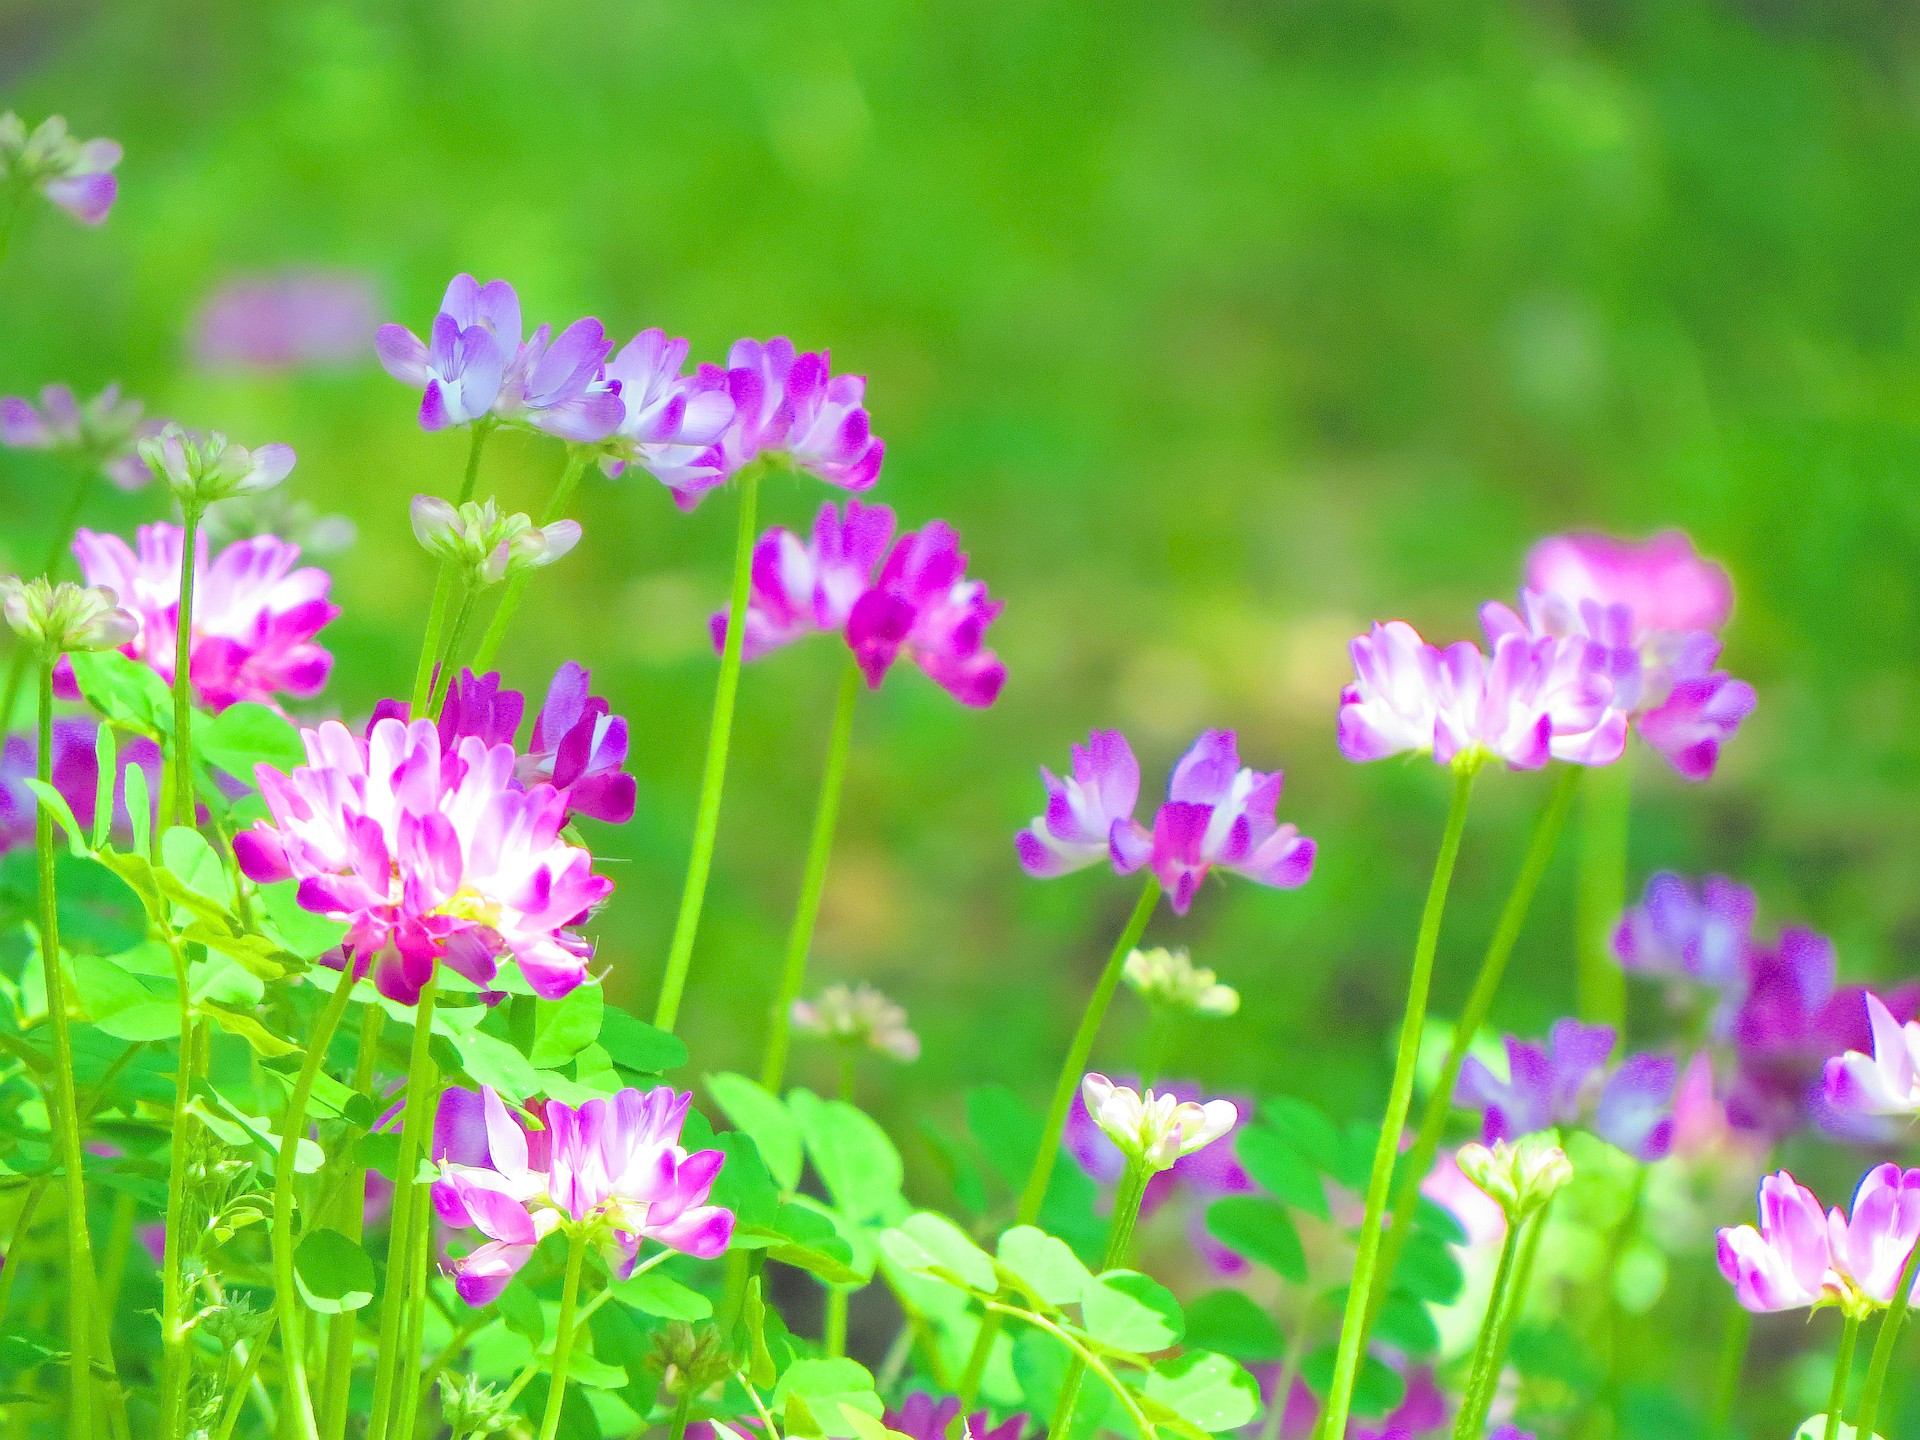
<point>1702,934</point>
<point>809,587</point>
<point>1566,1083</point>
<point>1083,811</point>
<point>76,175</point>
<point>860,1016</point>
<point>474,337</point>
<point>286,321</point>
<point>671,422</point>
<point>555,384</point>
<point>1887,1082</point>
<point>107,430</point>
<point>1786,1264</point>
<point>790,406</point>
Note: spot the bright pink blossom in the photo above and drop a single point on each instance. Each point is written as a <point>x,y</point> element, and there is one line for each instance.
<point>255,615</point>
<point>430,855</point>
<point>789,405</point>
<point>1786,1264</point>
<point>1083,810</point>
<point>1664,581</point>
<point>810,587</point>
<point>924,606</point>
<point>1887,1082</point>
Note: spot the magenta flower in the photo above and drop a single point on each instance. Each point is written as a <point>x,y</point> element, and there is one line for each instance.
<point>474,338</point>
<point>1566,1083</point>
<point>429,855</point>
<point>1704,935</point>
<point>1887,1082</point>
<point>76,772</point>
<point>105,430</point>
<point>803,588</point>
<point>1871,1246</point>
<point>922,1417</point>
<point>612,1171</point>
<point>286,321</point>
<point>672,422</point>
<point>1532,702</point>
<point>922,605</point>
<point>76,175</point>
<point>1423,1410</point>
<point>1663,581</point>
<point>1800,1258</point>
<point>1084,810</point>
<point>255,616</point>
<point>789,406</point>
<point>556,384</point>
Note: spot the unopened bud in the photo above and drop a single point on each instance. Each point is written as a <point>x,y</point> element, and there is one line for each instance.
<point>1170,978</point>
<point>1519,1178</point>
<point>1155,1129</point>
<point>489,545</point>
<point>202,469</point>
<point>55,619</point>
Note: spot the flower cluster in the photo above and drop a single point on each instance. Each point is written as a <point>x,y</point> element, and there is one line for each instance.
<point>430,853</point>
<point>486,544</point>
<point>1700,934</point>
<point>858,1016</point>
<point>1157,1130</point>
<point>612,1171</point>
<point>1567,1083</point>
<point>255,615</point>
<point>104,431</point>
<point>1520,1177</point>
<point>1799,1257</point>
<point>202,469</point>
<point>286,321</point>
<point>1216,814</point>
<point>1170,978</point>
<point>55,618</point>
<point>76,175</point>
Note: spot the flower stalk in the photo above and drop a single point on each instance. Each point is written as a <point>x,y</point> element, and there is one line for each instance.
<point>1842,1374</point>
<point>1885,1343</point>
<point>1601,987</point>
<point>1465,1424</point>
<point>1126,1215</point>
<point>183,806</point>
<point>563,1337</point>
<point>443,584</point>
<point>577,458</point>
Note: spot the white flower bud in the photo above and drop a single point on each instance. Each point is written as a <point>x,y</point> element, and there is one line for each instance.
<point>1519,1178</point>
<point>858,1015</point>
<point>200,470</point>
<point>58,618</point>
<point>1170,978</point>
<point>1155,1129</point>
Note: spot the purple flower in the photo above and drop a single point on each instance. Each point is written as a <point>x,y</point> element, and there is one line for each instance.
<point>1531,702</point>
<point>474,338</point>
<point>1887,1082</point>
<point>1084,810</point>
<point>106,429</point>
<point>1704,935</point>
<point>790,406</point>
<point>1871,1246</point>
<point>612,1169</point>
<point>74,174</point>
<point>286,321</point>
<point>922,1417</point>
<point>923,605</point>
<point>810,587</point>
<point>1565,1083</point>
<point>76,773</point>
<point>557,385</point>
<point>672,422</point>
<point>1423,1410</point>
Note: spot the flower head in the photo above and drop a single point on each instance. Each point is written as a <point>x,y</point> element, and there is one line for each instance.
<point>924,606</point>
<point>790,406</point>
<point>474,337</point>
<point>430,854</point>
<point>1170,978</point>
<point>1566,1083</point>
<point>201,470</point>
<point>612,1171</point>
<point>1702,934</point>
<point>286,321</point>
<point>920,1417</point>
<point>1155,1130</point>
<point>76,175</point>
<point>809,587</point>
<point>1664,583</point>
<point>1520,1177</point>
<point>488,545</point>
<point>858,1016</point>
<point>556,384</point>
<point>1084,810</point>
<point>1887,1082</point>
<point>671,422</point>
<point>255,615</point>
<point>106,429</point>
<point>57,618</point>
<point>1799,1257</point>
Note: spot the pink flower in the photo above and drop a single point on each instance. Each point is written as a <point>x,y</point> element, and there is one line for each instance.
<point>1663,581</point>
<point>287,321</point>
<point>430,855</point>
<point>1786,1264</point>
<point>1887,1082</point>
<point>76,175</point>
<point>106,430</point>
<point>76,771</point>
<point>1870,1247</point>
<point>612,1170</point>
<point>461,366</point>
<point>924,606</point>
<point>920,1417</point>
<point>254,615</point>
<point>672,422</point>
<point>1084,810</point>
<point>788,405</point>
<point>803,588</point>
<point>556,384</point>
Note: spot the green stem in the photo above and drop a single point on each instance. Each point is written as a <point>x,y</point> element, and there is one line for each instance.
<point>1510,1312</point>
<point>338,1383</point>
<point>293,1343</point>
<point>1353,1323</point>
<point>1842,1373</point>
<point>682,1411</point>
<point>563,1338</point>
<point>714,776</point>
<point>813,879</point>
<point>64,1104</point>
<point>1071,1072</point>
<point>1726,1384</point>
<point>450,654</point>
<point>183,806</point>
<point>1884,1345</point>
<point>443,584</point>
<point>1601,987</point>
<point>1489,1330</point>
<point>833,1335</point>
<point>1493,968</point>
<point>237,1395</point>
<point>176,1358</point>
<point>577,458</point>
<point>56,547</point>
<point>1126,1215</point>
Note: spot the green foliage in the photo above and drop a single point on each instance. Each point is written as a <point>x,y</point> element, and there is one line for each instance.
<point>334,1273</point>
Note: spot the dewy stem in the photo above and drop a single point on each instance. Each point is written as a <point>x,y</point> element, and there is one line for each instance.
<point>563,1337</point>
<point>1489,1329</point>
<point>1126,1215</point>
<point>577,458</point>
<point>64,1104</point>
<point>1071,1071</point>
<point>813,880</point>
<point>714,776</point>
<point>1601,988</point>
<point>293,1341</point>
<point>1353,1323</point>
<point>1885,1344</point>
<point>1842,1373</point>
<point>1486,986</point>
<point>183,807</point>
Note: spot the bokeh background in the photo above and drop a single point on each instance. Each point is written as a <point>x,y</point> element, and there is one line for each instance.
<point>1218,330</point>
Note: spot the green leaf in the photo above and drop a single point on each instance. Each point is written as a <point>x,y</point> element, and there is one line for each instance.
<point>131,695</point>
<point>1260,1230</point>
<point>194,863</point>
<point>1405,1325</point>
<point>495,1063</point>
<point>1377,1389</point>
<point>245,735</point>
<point>139,809</point>
<point>799,1236</point>
<point>743,1184</point>
<point>563,1028</point>
<point>1230,1322</point>
<point>1046,1268</point>
<point>857,1162</point>
<point>334,1274</point>
<point>1282,1170</point>
<point>301,931</point>
<point>1007,1130</point>
<point>760,1115</point>
<point>121,1004</point>
<point>106,764</point>
<point>1428,1270</point>
<point>248,1028</point>
<point>654,1294</point>
<point>1208,1391</point>
<point>55,804</point>
<point>827,1388</point>
<point>931,1244</point>
<point>1127,1311</point>
<point>1305,1128</point>
<point>638,1046</point>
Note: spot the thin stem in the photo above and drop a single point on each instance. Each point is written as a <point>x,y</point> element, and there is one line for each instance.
<point>813,879</point>
<point>176,1359</point>
<point>443,585</point>
<point>1086,1357</point>
<point>1510,1312</point>
<point>340,1333</point>
<point>1283,1383</point>
<point>577,458</point>
<point>64,1104</point>
<point>1726,1383</point>
<point>563,1337</point>
<point>237,1396</point>
<point>833,1335</point>
<point>183,807</point>
<point>1842,1373</point>
<point>1126,1215</point>
<point>56,547</point>
<point>293,1346</point>
<point>1071,1072</point>
<point>450,654</point>
<point>1486,985</point>
<point>682,1411</point>
<point>713,778</point>
<point>1601,987</point>
<point>1489,1330</point>
<point>1354,1323</point>
<point>1885,1344</point>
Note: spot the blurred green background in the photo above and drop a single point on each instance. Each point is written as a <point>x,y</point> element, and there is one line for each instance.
<point>1217,329</point>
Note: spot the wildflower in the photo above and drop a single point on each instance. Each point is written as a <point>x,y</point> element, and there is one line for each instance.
<point>920,1417</point>
<point>788,406</point>
<point>1170,978</point>
<point>1156,1130</point>
<point>105,431</point>
<point>430,854</point>
<point>671,422</point>
<point>474,337</point>
<point>924,606</point>
<point>488,545</point>
<point>1704,935</point>
<point>76,772</point>
<point>255,615</point>
<point>555,384</point>
<point>76,175</point>
<point>1652,610</point>
<point>1887,1082</point>
<point>201,471</point>
<point>803,588</point>
<point>1530,702</point>
<point>612,1172</point>
<point>1083,811</point>
<point>1423,1409</point>
<point>1520,1177</point>
<point>1800,1258</point>
<point>1566,1083</point>
<point>860,1016</point>
<point>57,618</point>
<point>286,321</point>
